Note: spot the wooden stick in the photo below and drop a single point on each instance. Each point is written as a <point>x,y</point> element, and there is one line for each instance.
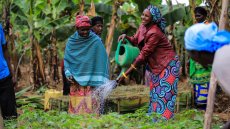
<point>211,100</point>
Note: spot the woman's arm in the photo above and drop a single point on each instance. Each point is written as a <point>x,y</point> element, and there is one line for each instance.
<point>148,49</point>
<point>133,39</point>
<point>5,50</point>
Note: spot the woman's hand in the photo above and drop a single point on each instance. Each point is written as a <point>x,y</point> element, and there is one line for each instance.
<point>120,79</point>
<point>70,79</point>
<point>125,74</point>
<point>122,37</point>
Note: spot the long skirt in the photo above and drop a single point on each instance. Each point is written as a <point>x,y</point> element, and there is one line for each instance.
<point>82,101</point>
<point>163,90</point>
<point>7,98</point>
<point>201,93</point>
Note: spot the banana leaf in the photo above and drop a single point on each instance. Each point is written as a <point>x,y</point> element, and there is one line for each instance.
<point>175,15</point>
<point>23,91</point>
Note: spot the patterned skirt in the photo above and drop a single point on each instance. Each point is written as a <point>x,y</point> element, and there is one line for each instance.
<point>82,101</point>
<point>201,93</point>
<point>163,90</point>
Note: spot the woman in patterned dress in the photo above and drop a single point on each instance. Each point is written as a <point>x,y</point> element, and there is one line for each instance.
<point>161,62</point>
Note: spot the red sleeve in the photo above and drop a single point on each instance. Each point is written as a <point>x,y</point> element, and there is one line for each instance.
<point>148,49</point>
<point>133,39</point>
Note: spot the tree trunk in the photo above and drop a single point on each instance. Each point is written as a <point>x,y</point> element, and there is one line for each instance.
<point>37,63</point>
<point>10,37</point>
<point>192,4</point>
<point>224,14</point>
<point>53,64</point>
<point>40,61</point>
<point>33,61</point>
<point>14,58</point>
<point>171,27</point>
<point>109,39</point>
<point>214,6</point>
<point>82,5</point>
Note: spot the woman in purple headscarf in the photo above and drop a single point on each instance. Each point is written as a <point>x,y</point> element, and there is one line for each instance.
<point>161,62</point>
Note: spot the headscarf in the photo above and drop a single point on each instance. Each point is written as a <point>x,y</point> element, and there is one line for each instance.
<point>157,17</point>
<point>205,37</point>
<point>82,21</point>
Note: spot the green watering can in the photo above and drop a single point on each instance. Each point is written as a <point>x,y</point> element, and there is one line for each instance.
<point>125,54</point>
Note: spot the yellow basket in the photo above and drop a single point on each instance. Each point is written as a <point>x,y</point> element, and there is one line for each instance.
<point>51,93</point>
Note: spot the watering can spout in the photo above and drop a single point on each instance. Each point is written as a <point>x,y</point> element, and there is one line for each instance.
<point>123,69</point>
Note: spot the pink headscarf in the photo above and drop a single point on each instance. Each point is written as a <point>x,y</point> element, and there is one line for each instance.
<point>82,21</point>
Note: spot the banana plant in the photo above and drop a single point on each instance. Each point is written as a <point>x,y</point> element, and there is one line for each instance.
<point>43,19</point>
<point>54,20</point>
<point>28,13</point>
<point>5,8</point>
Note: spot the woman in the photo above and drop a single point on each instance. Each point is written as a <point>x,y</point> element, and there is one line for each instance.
<point>208,46</point>
<point>97,25</point>
<point>204,42</point>
<point>162,63</point>
<point>199,76</point>
<point>7,93</point>
<point>86,66</point>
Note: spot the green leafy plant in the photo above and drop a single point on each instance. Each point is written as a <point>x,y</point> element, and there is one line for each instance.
<point>35,118</point>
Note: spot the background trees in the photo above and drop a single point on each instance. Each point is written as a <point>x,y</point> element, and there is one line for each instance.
<point>37,30</point>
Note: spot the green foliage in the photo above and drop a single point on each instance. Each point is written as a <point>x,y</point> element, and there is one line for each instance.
<point>177,14</point>
<point>103,9</point>
<point>198,2</point>
<point>23,91</point>
<point>141,5</point>
<point>178,32</point>
<point>34,100</point>
<point>156,2</point>
<point>34,118</point>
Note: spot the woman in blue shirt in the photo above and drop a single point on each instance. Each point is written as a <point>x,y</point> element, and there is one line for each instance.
<point>7,96</point>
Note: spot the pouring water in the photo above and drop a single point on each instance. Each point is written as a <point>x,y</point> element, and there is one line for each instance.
<point>102,92</point>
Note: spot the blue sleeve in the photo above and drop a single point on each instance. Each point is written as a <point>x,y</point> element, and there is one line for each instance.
<point>2,36</point>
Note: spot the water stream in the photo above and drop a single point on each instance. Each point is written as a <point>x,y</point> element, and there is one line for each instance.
<point>102,92</point>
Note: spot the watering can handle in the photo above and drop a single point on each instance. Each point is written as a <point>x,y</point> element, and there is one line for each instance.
<point>117,52</point>
<point>118,49</point>
<point>128,42</point>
